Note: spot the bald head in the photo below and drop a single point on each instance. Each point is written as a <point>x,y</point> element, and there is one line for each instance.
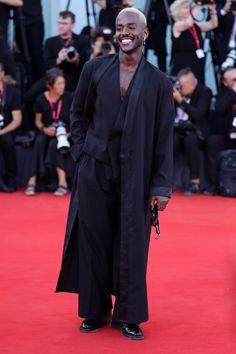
<point>136,12</point>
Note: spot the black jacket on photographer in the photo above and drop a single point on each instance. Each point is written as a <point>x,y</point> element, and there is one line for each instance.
<point>71,71</point>
<point>226,107</point>
<point>198,108</point>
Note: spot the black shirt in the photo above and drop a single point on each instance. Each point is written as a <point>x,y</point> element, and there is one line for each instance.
<point>6,57</point>
<point>4,16</point>
<point>42,106</point>
<point>9,102</point>
<point>32,12</point>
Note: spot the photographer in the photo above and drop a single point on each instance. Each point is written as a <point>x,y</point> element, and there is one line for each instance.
<point>10,120</point>
<point>68,50</point>
<point>226,108</point>
<point>102,42</point>
<point>52,110</point>
<point>192,107</point>
<point>187,41</point>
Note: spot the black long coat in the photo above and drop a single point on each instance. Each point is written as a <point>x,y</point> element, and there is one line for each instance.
<point>146,170</point>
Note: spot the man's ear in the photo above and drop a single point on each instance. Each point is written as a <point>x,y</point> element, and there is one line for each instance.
<point>146,33</point>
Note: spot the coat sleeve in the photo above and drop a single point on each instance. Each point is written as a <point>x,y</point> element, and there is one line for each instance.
<point>162,170</point>
<point>198,112</point>
<point>49,54</point>
<point>77,122</point>
<point>225,100</point>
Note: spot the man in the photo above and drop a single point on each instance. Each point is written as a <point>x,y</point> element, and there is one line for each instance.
<point>192,107</point>
<point>10,120</point>
<point>122,128</point>
<point>68,50</point>
<point>226,139</point>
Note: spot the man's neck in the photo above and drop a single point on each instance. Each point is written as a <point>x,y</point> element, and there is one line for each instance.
<point>130,60</point>
<point>66,36</point>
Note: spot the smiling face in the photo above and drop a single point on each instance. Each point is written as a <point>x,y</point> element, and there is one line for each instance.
<point>229,78</point>
<point>131,31</point>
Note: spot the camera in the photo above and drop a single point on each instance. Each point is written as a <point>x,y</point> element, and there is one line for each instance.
<point>61,135</point>
<point>175,82</point>
<point>71,52</point>
<point>203,2</point>
<point>106,48</point>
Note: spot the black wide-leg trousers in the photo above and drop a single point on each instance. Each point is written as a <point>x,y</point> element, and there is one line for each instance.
<point>99,240</point>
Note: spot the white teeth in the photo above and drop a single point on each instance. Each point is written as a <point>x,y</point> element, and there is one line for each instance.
<point>126,41</point>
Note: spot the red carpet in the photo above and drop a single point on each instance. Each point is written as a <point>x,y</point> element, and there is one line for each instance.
<point>191,278</point>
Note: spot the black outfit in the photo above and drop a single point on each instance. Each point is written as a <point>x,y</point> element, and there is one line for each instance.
<point>4,18</point>
<point>222,36</point>
<point>157,25</point>
<point>7,59</point>
<point>197,110</point>
<point>34,31</point>
<point>8,103</point>
<point>184,54</point>
<point>123,149</point>
<point>226,108</point>
<point>45,153</point>
<point>71,71</point>
<point>107,16</point>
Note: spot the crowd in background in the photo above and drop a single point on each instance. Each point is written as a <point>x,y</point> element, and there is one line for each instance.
<point>38,78</point>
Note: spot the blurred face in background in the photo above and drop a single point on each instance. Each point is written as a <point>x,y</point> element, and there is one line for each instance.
<point>65,26</point>
<point>184,11</point>
<point>187,84</point>
<point>58,87</point>
<point>229,78</point>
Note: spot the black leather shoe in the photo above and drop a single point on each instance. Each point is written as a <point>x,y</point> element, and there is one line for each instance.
<point>93,324</point>
<point>129,330</point>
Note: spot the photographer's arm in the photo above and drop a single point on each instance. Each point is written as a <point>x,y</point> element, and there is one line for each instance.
<point>181,26</point>
<point>199,112</point>
<point>15,3</point>
<point>212,23</point>
<point>101,3</point>
<point>50,131</point>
